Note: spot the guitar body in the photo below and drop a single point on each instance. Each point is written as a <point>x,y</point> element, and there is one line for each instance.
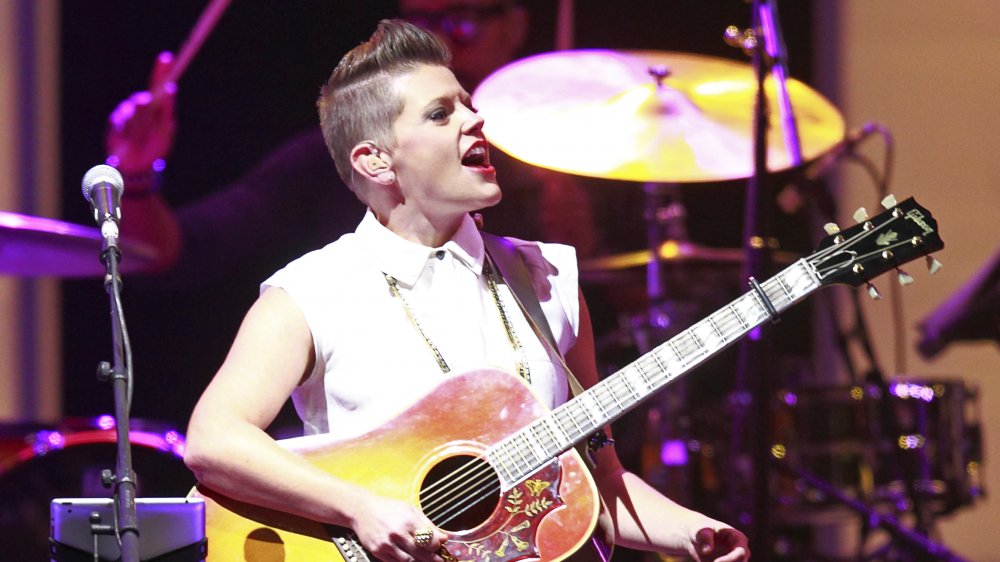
<point>548,516</point>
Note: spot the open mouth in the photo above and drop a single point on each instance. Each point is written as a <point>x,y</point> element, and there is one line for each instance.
<point>478,156</point>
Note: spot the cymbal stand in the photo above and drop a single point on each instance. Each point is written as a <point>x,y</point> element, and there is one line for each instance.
<point>764,41</point>
<point>665,217</point>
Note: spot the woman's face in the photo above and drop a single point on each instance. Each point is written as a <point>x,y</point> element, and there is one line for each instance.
<point>441,157</point>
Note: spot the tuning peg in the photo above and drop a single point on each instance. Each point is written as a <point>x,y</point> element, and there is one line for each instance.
<point>831,228</point>
<point>873,292</point>
<point>933,265</point>
<point>889,201</point>
<point>861,215</point>
<point>903,277</point>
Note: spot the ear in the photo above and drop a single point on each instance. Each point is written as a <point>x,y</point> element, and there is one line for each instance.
<point>372,164</point>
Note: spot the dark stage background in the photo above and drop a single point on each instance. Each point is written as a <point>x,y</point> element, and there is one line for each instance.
<point>252,86</point>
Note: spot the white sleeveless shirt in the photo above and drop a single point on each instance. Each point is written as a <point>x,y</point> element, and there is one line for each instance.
<point>371,362</point>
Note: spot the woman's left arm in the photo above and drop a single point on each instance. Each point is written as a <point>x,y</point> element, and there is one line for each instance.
<point>642,517</point>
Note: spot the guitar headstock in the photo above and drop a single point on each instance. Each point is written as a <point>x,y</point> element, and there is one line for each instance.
<point>902,233</point>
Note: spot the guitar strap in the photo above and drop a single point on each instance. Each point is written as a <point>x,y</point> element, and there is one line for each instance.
<point>515,275</point>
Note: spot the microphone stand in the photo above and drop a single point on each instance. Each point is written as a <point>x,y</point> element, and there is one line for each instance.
<point>753,379</point>
<point>126,525</point>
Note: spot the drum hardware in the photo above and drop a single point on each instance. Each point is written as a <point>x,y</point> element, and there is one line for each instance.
<point>904,539</point>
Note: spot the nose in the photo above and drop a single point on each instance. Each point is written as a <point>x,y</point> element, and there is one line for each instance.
<point>473,122</point>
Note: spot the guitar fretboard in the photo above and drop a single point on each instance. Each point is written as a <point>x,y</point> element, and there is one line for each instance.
<point>527,450</point>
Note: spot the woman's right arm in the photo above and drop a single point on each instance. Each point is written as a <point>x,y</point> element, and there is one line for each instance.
<point>228,450</point>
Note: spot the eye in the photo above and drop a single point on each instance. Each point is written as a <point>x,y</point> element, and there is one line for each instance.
<point>439,114</point>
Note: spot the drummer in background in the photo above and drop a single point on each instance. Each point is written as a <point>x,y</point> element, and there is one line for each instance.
<point>413,170</point>
<point>253,218</point>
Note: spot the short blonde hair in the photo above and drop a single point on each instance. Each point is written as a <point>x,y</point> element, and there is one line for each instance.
<point>358,103</point>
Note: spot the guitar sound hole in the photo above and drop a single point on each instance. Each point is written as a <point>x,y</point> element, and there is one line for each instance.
<point>460,493</point>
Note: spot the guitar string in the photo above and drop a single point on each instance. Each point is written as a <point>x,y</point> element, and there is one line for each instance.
<point>478,481</point>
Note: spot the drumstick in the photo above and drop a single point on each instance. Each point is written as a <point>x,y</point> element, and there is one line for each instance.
<point>202,29</point>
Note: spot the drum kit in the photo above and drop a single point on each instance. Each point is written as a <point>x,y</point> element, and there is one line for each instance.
<point>664,120</point>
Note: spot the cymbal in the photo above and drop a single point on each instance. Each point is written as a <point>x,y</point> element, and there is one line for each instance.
<point>673,252</point>
<point>40,247</point>
<point>600,113</point>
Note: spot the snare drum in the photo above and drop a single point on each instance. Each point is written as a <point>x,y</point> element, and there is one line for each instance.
<point>938,444</point>
<point>841,434</point>
<point>66,461</point>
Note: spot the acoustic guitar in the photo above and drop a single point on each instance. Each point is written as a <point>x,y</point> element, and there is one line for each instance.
<point>496,470</point>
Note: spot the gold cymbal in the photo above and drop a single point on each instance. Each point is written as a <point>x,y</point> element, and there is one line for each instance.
<point>676,252</point>
<point>600,113</point>
<point>40,247</point>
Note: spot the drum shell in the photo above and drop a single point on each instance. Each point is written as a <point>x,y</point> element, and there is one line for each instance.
<point>66,461</point>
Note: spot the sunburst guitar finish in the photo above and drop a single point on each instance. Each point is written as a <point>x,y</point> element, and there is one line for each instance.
<point>435,457</point>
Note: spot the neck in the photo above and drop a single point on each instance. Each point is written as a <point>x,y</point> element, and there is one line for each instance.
<point>427,231</point>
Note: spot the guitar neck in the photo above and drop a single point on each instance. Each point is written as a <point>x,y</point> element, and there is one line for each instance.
<point>525,451</point>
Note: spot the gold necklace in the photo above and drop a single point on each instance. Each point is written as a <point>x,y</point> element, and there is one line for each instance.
<point>491,282</point>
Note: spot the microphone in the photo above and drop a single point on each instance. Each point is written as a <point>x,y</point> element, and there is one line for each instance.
<point>839,150</point>
<point>102,188</point>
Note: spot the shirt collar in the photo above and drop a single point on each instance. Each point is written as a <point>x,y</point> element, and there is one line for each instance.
<point>405,260</point>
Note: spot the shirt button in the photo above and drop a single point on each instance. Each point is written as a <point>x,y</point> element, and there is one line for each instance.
<point>439,254</point>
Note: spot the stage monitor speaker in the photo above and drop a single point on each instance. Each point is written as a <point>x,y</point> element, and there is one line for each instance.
<point>170,530</point>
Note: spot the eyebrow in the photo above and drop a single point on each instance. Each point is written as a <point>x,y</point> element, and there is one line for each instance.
<point>463,97</point>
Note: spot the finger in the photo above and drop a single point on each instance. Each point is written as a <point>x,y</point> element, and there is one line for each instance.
<point>738,554</point>
<point>705,541</point>
<point>396,549</point>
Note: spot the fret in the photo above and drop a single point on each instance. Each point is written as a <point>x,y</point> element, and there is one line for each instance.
<point>754,311</point>
<point>698,346</point>
<point>510,447</point>
<point>520,452</point>
<point>655,354</point>
<point>715,326</point>
<point>560,439</point>
<point>585,397</point>
<point>709,337</point>
<point>642,376</point>
<point>503,464</point>
<point>732,308</point>
<point>672,343</point>
<point>614,395</point>
<point>628,385</point>
<point>640,373</point>
<point>572,416</point>
<point>540,451</point>
<point>784,288</point>
<point>692,333</point>
<point>601,403</point>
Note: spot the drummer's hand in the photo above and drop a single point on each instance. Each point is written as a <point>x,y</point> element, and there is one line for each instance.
<point>141,129</point>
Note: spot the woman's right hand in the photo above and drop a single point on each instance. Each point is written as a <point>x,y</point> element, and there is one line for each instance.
<point>386,527</point>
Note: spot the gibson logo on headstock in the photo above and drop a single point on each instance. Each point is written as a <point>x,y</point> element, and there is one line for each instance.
<point>886,238</point>
<point>918,218</point>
